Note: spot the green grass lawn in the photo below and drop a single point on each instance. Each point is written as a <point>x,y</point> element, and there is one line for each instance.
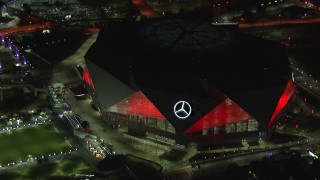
<point>35,141</point>
<point>61,169</point>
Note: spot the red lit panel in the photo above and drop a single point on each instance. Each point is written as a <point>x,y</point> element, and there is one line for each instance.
<point>285,97</point>
<point>137,104</point>
<point>143,6</point>
<point>87,78</point>
<point>226,112</point>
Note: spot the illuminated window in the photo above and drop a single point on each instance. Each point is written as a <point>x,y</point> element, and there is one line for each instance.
<point>205,132</point>
<point>241,126</point>
<point>230,128</point>
<point>219,130</point>
<point>142,120</point>
<point>152,122</point>
<point>252,125</point>
<point>170,128</point>
<point>161,124</point>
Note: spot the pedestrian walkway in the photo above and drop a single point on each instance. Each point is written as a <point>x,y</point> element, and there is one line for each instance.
<point>62,70</point>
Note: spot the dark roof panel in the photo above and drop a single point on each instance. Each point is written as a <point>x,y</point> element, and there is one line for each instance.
<point>203,63</point>
<point>188,50</point>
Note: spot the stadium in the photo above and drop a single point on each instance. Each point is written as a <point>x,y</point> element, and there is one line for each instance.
<point>189,80</point>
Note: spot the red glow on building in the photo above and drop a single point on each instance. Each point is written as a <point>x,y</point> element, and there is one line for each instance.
<point>285,97</point>
<point>87,78</point>
<point>143,6</point>
<point>137,104</point>
<point>227,112</point>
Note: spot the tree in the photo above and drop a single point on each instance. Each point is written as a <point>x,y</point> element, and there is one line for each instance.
<point>85,124</point>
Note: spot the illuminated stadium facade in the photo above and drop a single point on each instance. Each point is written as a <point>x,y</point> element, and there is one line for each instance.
<point>189,80</point>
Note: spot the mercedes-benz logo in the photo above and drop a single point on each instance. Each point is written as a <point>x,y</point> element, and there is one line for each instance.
<point>182,109</point>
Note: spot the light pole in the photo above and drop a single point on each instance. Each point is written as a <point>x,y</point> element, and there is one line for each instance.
<point>279,19</point>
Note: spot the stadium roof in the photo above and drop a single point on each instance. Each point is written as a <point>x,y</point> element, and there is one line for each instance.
<point>139,54</point>
<point>170,58</point>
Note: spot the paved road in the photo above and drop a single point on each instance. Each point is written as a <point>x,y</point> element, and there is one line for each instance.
<point>209,169</point>
<point>279,22</point>
<point>23,29</point>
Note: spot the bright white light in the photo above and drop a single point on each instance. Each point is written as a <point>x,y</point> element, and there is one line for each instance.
<point>313,155</point>
<point>292,77</point>
<point>182,109</point>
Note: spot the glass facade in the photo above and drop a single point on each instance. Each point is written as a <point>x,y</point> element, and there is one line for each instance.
<point>242,126</point>
<point>253,125</point>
